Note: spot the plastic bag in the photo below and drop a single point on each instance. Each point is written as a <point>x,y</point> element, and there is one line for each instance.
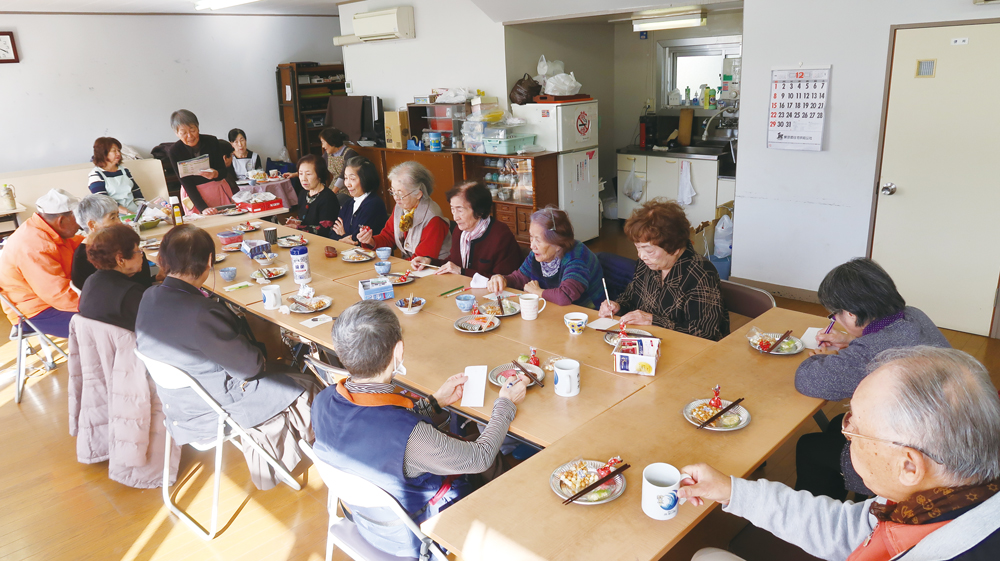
<point>455,95</point>
<point>550,68</point>
<point>283,156</point>
<point>724,237</point>
<point>633,186</point>
<point>562,84</point>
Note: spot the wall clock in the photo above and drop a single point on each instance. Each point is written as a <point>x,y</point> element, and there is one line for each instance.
<point>8,50</point>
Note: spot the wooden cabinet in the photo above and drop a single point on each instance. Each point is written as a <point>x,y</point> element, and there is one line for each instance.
<point>446,167</point>
<point>521,184</point>
<point>304,90</point>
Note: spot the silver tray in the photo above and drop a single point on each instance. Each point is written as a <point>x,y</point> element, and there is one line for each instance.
<point>799,345</point>
<point>493,375</point>
<point>292,241</point>
<point>617,484</point>
<point>297,308</point>
<point>392,276</point>
<point>612,338</point>
<point>343,256</point>
<point>739,410</point>
<point>462,324</point>
<point>280,272</point>
<point>517,306</point>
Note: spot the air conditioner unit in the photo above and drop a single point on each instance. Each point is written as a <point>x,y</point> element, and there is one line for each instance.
<point>394,23</point>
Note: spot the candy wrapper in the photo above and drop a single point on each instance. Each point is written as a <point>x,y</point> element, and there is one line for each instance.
<point>306,292</point>
<point>716,401</point>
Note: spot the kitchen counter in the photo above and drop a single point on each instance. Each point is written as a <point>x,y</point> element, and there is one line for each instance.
<point>636,151</point>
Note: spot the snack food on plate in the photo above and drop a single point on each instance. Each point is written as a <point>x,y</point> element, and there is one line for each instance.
<point>577,477</point>
<point>706,410</point>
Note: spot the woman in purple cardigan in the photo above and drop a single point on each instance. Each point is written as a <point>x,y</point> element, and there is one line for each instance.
<point>485,245</point>
<point>365,207</point>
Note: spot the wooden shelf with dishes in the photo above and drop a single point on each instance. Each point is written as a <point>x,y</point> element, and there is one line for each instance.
<point>520,184</point>
<point>302,103</point>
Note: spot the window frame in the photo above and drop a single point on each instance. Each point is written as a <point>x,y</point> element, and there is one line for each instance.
<point>667,51</point>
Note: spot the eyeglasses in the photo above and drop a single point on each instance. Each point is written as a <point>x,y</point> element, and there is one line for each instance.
<point>849,435</point>
<point>398,195</point>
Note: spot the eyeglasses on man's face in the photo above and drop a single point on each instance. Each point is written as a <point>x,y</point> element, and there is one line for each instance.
<point>846,423</point>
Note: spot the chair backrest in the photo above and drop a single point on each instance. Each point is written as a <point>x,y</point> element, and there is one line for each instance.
<point>618,272</point>
<point>746,300</point>
<point>173,378</point>
<point>326,372</point>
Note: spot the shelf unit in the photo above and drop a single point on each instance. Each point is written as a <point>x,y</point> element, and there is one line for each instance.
<point>535,187</point>
<point>445,118</point>
<point>302,106</point>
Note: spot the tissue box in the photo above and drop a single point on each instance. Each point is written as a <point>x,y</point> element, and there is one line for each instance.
<point>642,361</point>
<point>376,289</point>
<point>253,248</point>
<point>227,237</point>
<point>260,207</point>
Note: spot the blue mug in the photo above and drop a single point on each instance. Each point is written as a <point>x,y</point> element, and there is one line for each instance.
<point>465,302</point>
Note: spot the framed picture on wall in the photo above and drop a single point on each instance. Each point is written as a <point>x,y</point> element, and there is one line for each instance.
<point>8,49</point>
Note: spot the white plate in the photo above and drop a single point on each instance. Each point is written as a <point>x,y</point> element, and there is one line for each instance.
<point>297,308</point>
<point>494,375</point>
<point>612,338</point>
<point>462,324</point>
<point>220,257</point>
<point>799,345</point>
<point>617,484</point>
<point>233,212</point>
<point>394,276</point>
<point>517,307</point>
<point>292,241</point>
<point>368,256</point>
<point>739,410</point>
<point>276,272</point>
<point>242,228</point>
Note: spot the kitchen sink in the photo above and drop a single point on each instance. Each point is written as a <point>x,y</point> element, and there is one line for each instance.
<point>706,150</point>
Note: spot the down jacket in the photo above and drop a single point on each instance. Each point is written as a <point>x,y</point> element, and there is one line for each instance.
<point>113,408</point>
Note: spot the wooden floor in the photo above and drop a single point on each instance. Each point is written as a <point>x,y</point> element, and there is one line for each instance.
<point>54,508</point>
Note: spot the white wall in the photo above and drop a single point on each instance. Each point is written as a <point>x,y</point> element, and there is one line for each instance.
<point>588,52</point>
<point>85,76</point>
<point>456,45</point>
<point>818,203</point>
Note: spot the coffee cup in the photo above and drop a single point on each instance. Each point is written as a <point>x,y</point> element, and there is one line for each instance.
<point>529,306</point>
<point>271,235</point>
<point>273,173</point>
<point>272,296</point>
<point>465,302</point>
<point>383,252</point>
<point>566,376</point>
<point>576,322</point>
<point>659,490</point>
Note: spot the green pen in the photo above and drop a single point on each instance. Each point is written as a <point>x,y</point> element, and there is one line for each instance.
<point>452,290</point>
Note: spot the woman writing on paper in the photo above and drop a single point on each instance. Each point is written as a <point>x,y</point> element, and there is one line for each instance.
<point>206,188</point>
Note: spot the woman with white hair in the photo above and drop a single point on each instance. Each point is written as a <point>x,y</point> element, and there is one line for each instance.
<point>365,428</point>
<point>94,213</point>
<point>208,188</point>
<point>417,227</point>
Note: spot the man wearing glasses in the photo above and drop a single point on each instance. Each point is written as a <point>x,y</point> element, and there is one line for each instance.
<point>924,434</point>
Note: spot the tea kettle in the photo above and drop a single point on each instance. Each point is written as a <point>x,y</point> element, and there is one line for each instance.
<point>7,197</point>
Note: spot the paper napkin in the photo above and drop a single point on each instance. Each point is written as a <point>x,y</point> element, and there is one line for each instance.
<point>316,321</point>
<point>603,323</point>
<point>474,391</point>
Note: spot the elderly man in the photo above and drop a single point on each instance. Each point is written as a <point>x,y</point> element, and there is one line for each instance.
<point>924,429</point>
<point>36,263</point>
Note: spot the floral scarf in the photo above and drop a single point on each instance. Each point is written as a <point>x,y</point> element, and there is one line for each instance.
<point>925,506</point>
<point>551,268</point>
<point>406,221</point>
<point>468,237</point>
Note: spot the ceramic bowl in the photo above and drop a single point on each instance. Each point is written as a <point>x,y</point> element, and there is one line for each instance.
<point>383,267</point>
<point>266,259</point>
<point>465,302</point>
<point>383,252</point>
<point>228,273</point>
<point>418,303</point>
<point>576,322</point>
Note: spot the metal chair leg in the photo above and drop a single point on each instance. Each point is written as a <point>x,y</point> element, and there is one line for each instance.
<point>21,360</point>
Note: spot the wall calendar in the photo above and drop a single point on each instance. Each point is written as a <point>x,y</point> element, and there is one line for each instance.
<point>798,106</point>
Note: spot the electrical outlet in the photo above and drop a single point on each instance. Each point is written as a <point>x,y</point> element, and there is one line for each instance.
<point>348,87</point>
<point>960,41</point>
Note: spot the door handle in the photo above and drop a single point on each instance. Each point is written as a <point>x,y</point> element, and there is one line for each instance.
<point>888,189</point>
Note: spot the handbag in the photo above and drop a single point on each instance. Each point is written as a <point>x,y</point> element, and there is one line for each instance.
<point>524,90</point>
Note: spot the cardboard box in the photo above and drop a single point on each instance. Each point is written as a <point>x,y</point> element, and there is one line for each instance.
<point>397,129</point>
<point>376,289</point>
<point>253,248</point>
<point>643,361</point>
<point>260,207</point>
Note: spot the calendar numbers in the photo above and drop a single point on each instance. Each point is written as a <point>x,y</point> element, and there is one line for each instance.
<point>798,107</point>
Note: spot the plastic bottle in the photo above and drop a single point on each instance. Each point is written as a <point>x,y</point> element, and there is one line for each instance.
<point>687,95</point>
<point>705,97</point>
<point>300,265</point>
<point>175,205</point>
<point>711,98</point>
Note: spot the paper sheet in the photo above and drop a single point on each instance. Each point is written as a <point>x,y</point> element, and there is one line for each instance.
<point>603,323</point>
<point>809,337</point>
<point>423,273</point>
<point>474,392</point>
<point>316,321</point>
<point>193,166</point>
<point>478,281</point>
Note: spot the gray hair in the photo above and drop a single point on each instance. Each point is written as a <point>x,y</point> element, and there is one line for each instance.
<point>413,175</point>
<point>365,336</point>
<point>94,207</point>
<point>182,117</point>
<point>945,403</point>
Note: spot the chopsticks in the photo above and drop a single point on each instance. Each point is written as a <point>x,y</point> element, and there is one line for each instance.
<point>409,302</point>
<point>720,413</point>
<point>596,484</point>
<point>528,373</point>
<point>449,292</point>
<point>489,322</point>
<point>456,292</point>
<point>778,342</point>
<point>615,331</point>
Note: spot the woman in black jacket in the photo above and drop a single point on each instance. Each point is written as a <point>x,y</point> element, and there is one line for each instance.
<point>318,205</point>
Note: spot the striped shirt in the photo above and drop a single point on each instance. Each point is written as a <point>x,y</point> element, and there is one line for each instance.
<point>97,184</point>
<point>429,450</point>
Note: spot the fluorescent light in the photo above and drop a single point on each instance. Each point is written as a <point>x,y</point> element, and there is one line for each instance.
<point>670,22</point>
<point>219,4</point>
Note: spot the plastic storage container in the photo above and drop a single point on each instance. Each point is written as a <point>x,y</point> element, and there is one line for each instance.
<point>509,145</point>
<point>227,237</point>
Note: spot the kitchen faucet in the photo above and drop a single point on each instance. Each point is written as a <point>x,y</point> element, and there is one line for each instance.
<point>732,109</point>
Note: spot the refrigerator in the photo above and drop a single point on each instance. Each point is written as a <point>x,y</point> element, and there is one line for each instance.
<point>571,130</point>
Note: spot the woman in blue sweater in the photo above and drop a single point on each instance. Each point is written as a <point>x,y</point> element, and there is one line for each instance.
<point>365,208</point>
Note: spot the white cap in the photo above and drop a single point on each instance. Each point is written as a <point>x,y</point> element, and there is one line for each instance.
<point>57,201</point>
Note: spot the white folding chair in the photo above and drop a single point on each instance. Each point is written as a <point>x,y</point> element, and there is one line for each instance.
<point>23,337</point>
<point>361,493</point>
<point>328,374</point>
<point>172,378</point>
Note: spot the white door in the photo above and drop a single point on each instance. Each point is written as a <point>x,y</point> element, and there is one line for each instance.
<point>936,231</point>
<point>578,185</point>
<point>577,126</point>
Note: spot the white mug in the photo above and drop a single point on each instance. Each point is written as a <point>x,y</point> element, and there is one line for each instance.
<point>567,376</point>
<point>272,296</point>
<point>659,490</point>
<point>529,305</point>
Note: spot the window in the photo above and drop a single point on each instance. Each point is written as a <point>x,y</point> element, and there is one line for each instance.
<point>692,62</point>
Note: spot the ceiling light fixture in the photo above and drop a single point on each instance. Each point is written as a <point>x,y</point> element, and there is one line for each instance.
<point>695,19</point>
<point>219,4</point>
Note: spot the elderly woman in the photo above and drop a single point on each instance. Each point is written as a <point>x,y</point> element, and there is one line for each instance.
<point>673,286</point>
<point>107,178</point>
<point>416,226</point>
<point>863,299</point>
<point>365,208</point>
<point>181,326</point>
<point>318,206</point>
<point>207,188</point>
<point>558,268</point>
<point>94,213</point>
<point>337,154</point>
<point>485,246</point>
<point>112,294</point>
<point>365,428</point>
<point>244,160</point>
